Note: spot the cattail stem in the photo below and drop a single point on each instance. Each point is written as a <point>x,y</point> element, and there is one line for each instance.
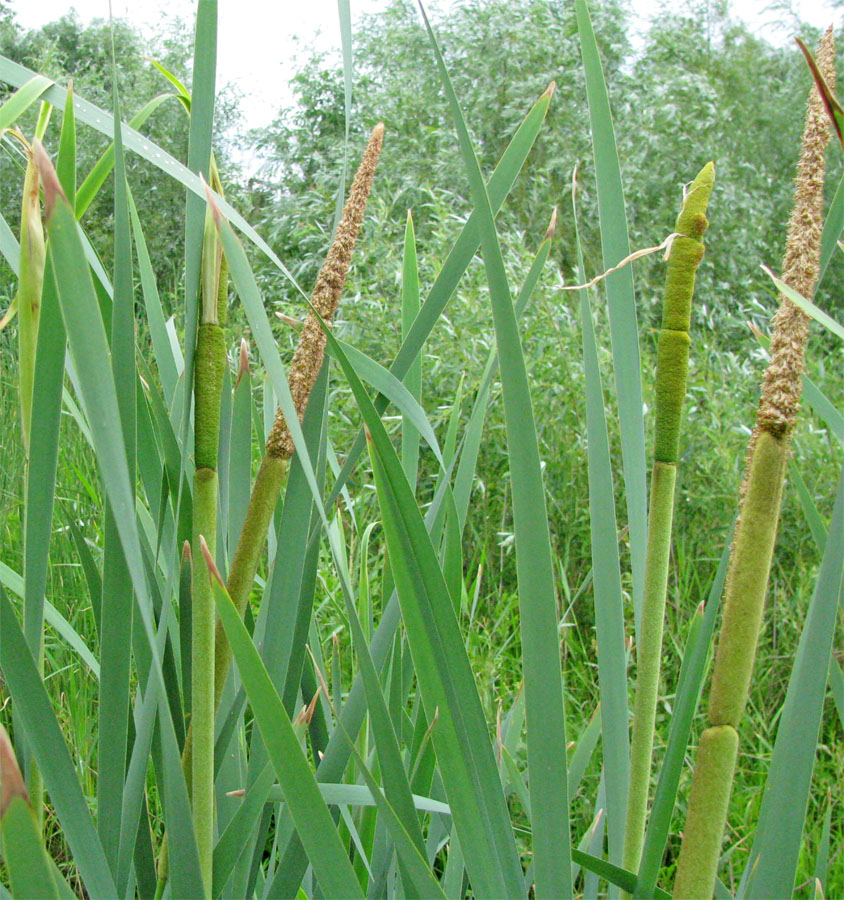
<point>209,369</point>
<point>753,545</point>
<point>671,374</point>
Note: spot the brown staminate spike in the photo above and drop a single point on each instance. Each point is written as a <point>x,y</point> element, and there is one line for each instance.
<point>310,352</point>
<point>780,400</point>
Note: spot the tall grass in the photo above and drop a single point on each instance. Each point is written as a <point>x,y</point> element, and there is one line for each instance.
<point>391,726</point>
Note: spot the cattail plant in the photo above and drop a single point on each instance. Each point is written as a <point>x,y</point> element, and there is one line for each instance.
<point>307,361</point>
<point>685,254</point>
<point>271,476</point>
<point>761,494</point>
<point>211,361</point>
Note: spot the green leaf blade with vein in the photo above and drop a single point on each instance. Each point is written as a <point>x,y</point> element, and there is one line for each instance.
<point>546,729</point>
<point>609,600</point>
<point>313,822</point>
<point>620,301</point>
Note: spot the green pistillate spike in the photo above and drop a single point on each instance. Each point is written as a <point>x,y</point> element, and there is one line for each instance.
<point>210,365</point>
<point>673,348</point>
<point>747,578</point>
<point>716,762</point>
<point>685,254</point>
<point>761,494</point>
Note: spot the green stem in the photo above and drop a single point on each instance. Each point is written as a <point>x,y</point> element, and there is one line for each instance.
<point>202,670</point>
<point>262,502</point>
<point>269,482</point>
<point>660,517</point>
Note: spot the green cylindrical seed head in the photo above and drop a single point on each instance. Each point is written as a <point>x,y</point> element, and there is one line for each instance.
<point>686,254</point>
<point>687,251</point>
<point>208,384</point>
<point>747,580</point>
<point>710,797</point>
<point>692,219</point>
<point>672,370</point>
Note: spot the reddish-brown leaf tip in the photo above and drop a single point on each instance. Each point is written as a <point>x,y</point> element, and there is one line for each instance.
<point>186,552</point>
<point>552,226</point>
<point>211,197</point>
<point>10,774</point>
<point>213,571</point>
<point>49,178</point>
<point>243,366</point>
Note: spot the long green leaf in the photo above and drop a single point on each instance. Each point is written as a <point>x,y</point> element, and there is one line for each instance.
<point>621,303</point>
<point>301,794</point>
<point>116,611</point>
<point>614,874</point>
<point>546,730</point>
<point>609,601</point>
<point>460,736</point>
<point>29,91</point>
<point>90,187</point>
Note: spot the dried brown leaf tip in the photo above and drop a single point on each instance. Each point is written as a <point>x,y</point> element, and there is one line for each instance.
<point>243,366</point>
<point>10,774</point>
<point>310,352</point>
<point>782,385</point>
<point>49,178</point>
<point>552,226</point>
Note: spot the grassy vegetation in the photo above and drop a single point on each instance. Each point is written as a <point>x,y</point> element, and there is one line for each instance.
<point>499,516</point>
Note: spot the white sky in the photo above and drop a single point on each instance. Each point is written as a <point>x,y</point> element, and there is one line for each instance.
<point>255,43</point>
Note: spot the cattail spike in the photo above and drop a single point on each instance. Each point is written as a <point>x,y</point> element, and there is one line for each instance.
<point>309,355</point>
<point>782,383</point>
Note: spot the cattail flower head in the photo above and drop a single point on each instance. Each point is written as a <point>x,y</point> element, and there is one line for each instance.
<point>310,352</point>
<point>782,385</point>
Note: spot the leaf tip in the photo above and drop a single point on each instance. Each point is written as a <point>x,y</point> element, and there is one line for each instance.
<point>213,571</point>
<point>186,553</point>
<point>552,226</point>
<point>49,178</point>
<point>243,366</point>
<point>10,774</point>
<point>549,91</point>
